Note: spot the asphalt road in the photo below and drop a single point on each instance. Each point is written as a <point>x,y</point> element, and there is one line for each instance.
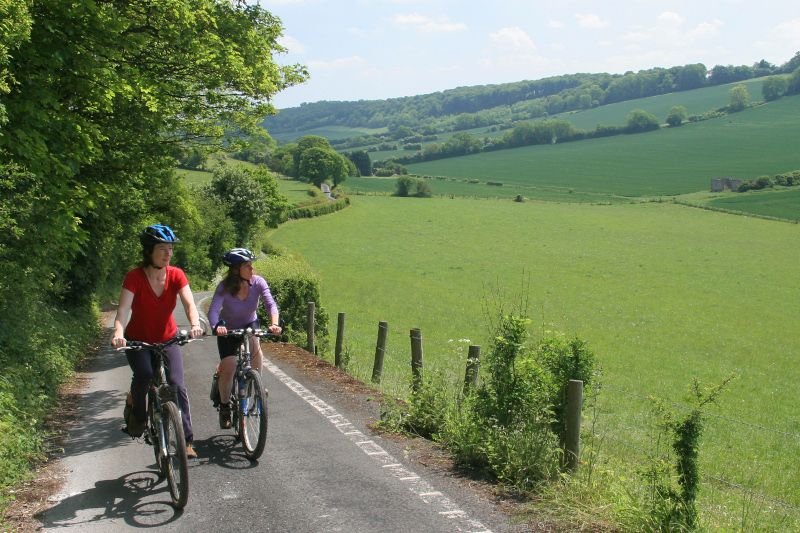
<point>322,470</point>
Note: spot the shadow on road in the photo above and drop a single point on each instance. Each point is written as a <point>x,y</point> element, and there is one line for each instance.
<point>116,499</point>
<point>95,430</point>
<point>225,451</point>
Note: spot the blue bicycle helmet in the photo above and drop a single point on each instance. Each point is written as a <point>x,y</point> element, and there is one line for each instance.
<point>158,233</point>
<point>237,256</point>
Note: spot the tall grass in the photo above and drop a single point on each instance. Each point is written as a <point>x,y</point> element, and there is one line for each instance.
<point>662,293</point>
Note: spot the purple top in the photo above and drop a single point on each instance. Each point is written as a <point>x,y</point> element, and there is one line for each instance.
<point>238,313</point>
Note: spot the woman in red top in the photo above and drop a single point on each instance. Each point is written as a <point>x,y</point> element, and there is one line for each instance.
<point>148,298</point>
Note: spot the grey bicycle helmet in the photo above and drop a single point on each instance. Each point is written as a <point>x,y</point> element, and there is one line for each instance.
<point>237,256</point>
<point>158,233</point>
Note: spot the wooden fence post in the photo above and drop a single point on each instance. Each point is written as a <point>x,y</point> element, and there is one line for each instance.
<point>416,359</point>
<point>380,350</point>
<point>473,366</point>
<point>310,344</point>
<point>339,341</point>
<point>572,441</point>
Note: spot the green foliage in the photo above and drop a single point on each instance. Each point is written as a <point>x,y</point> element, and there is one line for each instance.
<point>676,508</point>
<point>324,207</point>
<point>425,412</point>
<point>362,161</point>
<point>640,121</point>
<point>293,285</point>
<point>406,186</point>
<point>565,360</point>
<point>740,98</point>
<point>774,87</point>
<point>318,165</point>
<point>251,199</point>
<point>677,116</point>
<point>794,82</point>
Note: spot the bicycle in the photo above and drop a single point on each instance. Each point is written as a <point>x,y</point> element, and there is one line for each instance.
<point>248,399</point>
<point>164,429</point>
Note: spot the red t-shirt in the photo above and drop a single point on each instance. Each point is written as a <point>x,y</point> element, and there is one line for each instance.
<point>151,316</point>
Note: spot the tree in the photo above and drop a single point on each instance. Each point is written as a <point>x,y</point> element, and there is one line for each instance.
<point>95,124</point>
<point>306,143</point>
<point>794,81</point>
<point>774,87</point>
<point>319,164</point>
<point>740,98</point>
<point>250,197</point>
<point>640,121</point>
<point>362,161</point>
<point>677,116</point>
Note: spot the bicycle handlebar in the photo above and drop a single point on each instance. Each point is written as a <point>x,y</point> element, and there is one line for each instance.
<point>181,338</point>
<point>249,331</point>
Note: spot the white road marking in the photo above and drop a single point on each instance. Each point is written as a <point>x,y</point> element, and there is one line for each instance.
<point>424,490</point>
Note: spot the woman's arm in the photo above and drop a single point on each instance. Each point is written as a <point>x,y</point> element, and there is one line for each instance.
<point>122,318</point>
<point>187,299</point>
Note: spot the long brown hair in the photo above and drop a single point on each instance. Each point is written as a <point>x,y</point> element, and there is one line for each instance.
<point>233,280</point>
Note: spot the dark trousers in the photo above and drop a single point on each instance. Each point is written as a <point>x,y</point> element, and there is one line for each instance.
<point>141,363</point>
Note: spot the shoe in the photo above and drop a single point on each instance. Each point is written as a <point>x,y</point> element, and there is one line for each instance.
<point>224,416</point>
<point>135,428</point>
<point>190,453</point>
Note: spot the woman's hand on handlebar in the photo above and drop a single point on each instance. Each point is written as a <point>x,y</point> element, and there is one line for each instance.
<point>196,332</point>
<point>118,342</point>
<point>221,331</point>
<point>274,329</point>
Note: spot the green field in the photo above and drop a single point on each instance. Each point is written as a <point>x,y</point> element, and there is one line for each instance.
<point>662,293</point>
<point>754,142</point>
<point>696,102</point>
<point>779,204</point>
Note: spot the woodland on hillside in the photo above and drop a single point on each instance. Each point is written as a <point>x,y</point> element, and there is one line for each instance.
<point>485,105</point>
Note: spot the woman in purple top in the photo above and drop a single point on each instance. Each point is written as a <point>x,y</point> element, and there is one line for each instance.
<point>233,307</point>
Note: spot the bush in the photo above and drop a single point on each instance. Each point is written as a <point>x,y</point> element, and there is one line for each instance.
<point>293,285</point>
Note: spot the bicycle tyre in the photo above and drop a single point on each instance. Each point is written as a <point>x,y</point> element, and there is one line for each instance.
<point>176,462</point>
<point>253,416</point>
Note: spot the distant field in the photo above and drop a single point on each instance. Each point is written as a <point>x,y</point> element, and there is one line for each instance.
<point>757,141</point>
<point>662,293</point>
<point>463,188</point>
<point>779,204</point>
<point>696,102</point>
<point>329,132</point>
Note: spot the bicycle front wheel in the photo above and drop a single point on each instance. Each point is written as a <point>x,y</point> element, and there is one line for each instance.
<point>253,416</point>
<point>175,461</point>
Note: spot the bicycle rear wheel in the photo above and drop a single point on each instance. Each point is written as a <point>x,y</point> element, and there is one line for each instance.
<point>175,462</point>
<point>253,416</point>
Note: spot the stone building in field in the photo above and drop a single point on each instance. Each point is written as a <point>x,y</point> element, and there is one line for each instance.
<point>725,184</point>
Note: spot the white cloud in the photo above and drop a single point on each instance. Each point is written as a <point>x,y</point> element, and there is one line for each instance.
<point>291,44</point>
<point>557,24</point>
<point>705,30</point>
<point>669,17</point>
<point>513,38</point>
<point>789,33</point>
<point>589,20</point>
<point>425,24</point>
<point>340,63</point>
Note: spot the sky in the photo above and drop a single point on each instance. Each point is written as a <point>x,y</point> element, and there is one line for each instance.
<point>379,49</point>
